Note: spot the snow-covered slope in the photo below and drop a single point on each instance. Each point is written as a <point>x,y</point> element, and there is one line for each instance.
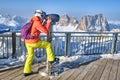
<point>114,26</point>
<point>65,24</point>
<point>12,22</point>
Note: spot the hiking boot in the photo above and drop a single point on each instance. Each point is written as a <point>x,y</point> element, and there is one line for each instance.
<point>56,60</point>
<point>27,74</point>
<point>53,66</point>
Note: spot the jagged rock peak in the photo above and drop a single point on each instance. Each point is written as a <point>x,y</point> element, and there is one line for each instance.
<point>64,20</point>
<point>73,21</point>
<point>93,23</point>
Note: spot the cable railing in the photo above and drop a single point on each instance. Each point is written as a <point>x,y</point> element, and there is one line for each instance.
<point>64,44</point>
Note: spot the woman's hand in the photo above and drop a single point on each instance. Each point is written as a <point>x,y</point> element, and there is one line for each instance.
<point>49,20</point>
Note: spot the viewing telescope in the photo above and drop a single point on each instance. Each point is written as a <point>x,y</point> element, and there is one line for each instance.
<point>55,17</point>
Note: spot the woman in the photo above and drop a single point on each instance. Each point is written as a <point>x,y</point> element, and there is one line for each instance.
<point>31,44</point>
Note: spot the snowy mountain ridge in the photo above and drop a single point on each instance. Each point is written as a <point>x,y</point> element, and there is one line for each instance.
<point>12,22</point>
<point>66,24</point>
<point>88,23</point>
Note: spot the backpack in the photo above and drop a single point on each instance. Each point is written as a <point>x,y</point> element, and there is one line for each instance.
<point>25,31</point>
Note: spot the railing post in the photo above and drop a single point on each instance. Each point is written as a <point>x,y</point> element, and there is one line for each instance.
<point>49,37</point>
<point>114,42</point>
<point>67,44</point>
<point>13,44</point>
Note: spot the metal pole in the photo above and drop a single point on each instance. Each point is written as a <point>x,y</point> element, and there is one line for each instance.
<point>114,43</point>
<point>13,44</point>
<point>67,45</point>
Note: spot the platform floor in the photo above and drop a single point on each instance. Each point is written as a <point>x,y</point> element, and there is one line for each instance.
<point>101,69</point>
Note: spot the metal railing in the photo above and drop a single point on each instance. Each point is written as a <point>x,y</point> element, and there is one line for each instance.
<point>64,44</point>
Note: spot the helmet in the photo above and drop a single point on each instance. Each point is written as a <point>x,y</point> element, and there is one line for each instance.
<point>40,13</point>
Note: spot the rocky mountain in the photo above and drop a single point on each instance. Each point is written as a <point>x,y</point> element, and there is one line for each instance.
<point>12,22</point>
<point>93,23</point>
<point>73,21</point>
<point>64,20</point>
<point>67,24</point>
<point>87,23</point>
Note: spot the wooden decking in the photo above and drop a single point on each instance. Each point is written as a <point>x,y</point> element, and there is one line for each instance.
<point>102,69</point>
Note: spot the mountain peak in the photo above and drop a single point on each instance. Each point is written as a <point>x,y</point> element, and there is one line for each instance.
<point>93,23</point>
<point>13,22</point>
<point>73,21</point>
<point>64,20</point>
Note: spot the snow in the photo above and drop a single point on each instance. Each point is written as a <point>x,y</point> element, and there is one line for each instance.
<point>13,61</point>
<point>80,59</point>
<point>69,28</point>
<point>65,61</point>
<point>114,22</point>
<point>11,21</point>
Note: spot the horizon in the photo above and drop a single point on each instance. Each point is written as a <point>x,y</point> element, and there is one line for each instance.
<point>78,8</point>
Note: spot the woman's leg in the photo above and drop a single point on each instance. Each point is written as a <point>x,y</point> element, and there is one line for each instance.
<point>49,50</point>
<point>30,49</point>
<point>29,60</point>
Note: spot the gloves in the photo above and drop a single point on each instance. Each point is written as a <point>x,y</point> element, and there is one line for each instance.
<point>49,20</point>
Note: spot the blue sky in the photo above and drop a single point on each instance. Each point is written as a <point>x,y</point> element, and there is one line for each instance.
<point>78,8</point>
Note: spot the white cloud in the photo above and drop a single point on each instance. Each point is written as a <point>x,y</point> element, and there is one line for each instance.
<point>114,22</point>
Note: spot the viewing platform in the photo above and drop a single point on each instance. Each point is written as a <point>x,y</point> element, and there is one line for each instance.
<point>101,69</point>
<point>66,44</point>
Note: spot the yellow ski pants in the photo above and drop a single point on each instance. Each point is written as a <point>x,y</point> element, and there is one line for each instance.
<point>30,57</point>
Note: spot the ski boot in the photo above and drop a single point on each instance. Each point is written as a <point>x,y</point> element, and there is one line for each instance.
<point>54,67</point>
